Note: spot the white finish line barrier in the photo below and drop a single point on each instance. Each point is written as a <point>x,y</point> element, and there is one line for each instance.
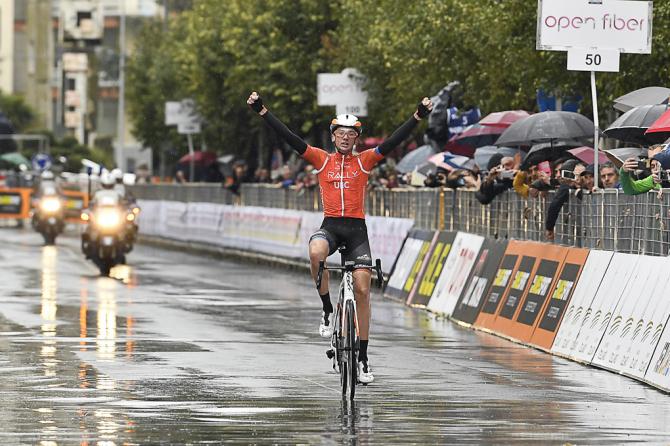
<point>279,232</point>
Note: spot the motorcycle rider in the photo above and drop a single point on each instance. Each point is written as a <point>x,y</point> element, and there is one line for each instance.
<point>129,201</point>
<point>106,194</point>
<point>48,207</point>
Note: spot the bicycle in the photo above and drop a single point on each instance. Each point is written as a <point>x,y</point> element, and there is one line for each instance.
<point>345,341</point>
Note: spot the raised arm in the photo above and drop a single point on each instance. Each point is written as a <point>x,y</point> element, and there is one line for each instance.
<point>293,140</point>
<point>401,133</point>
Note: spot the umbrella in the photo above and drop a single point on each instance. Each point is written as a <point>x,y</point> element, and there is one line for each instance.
<point>477,135</point>
<point>632,125</point>
<point>449,162</point>
<point>15,158</point>
<point>618,156</point>
<point>585,154</point>
<point>504,118</point>
<point>414,158</point>
<point>661,126</point>
<point>484,154</point>
<point>643,96</point>
<point>547,126</point>
<point>225,159</point>
<point>199,157</point>
<point>547,151</point>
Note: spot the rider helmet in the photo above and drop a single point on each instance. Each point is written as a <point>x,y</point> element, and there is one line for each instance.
<point>346,120</point>
<point>47,175</point>
<point>107,180</point>
<point>117,175</point>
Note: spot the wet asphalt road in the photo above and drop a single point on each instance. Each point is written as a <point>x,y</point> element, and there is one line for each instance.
<point>187,349</point>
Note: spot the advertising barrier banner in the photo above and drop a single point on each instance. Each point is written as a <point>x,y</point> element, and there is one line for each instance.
<point>280,232</point>
<point>472,298</point>
<point>565,343</point>
<point>500,284</point>
<point>648,329</point>
<point>437,256</point>
<point>15,202</point>
<point>454,275</point>
<point>545,331</point>
<point>628,312</point>
<point>541,288</point>
<point>74,202</point>
<point>410,260</point>
<point>599,313</point>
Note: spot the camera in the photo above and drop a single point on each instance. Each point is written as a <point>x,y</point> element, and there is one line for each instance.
<point>568,174</point>
<point>644,164</point>
<point>664,175</point>
<point>507,174</point>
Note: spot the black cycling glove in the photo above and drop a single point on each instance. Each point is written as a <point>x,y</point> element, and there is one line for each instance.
<point>258,105</point>
<point>422,110</point>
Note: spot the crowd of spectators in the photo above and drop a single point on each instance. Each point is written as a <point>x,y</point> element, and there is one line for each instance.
<point>569,177</point>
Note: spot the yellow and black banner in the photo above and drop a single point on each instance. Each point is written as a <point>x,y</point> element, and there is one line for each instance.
<point>409,263</point>
<point>472,298</point>
<point>428,277</point>
<point>15,202</point>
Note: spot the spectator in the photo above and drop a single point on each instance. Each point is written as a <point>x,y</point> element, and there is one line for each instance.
<point>307,178</point>
<point>587,180</point>
<point>609,176</point>
<point>238,177</point>
<point>463,178</point>
<point>285,179</point>
<point>262,175</point>
<point>634,187</point>
<point>180,177</point>
<point>570,174</point>
<point>496,182</point>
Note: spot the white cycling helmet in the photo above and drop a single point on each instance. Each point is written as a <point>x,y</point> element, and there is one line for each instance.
<point>47,175</point>
<point>117,174</point>
<point>346,120</point>
<point>107,181</point>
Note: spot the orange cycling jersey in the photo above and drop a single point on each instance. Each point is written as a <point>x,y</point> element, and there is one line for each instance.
<point>343,180</point>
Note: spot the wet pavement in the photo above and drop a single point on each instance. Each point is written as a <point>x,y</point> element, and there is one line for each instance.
<point>186,349</point>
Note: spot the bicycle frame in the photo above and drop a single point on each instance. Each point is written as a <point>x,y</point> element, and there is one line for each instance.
<point>345,339</point>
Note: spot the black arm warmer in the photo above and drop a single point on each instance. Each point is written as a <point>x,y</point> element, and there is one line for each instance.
<point>398,136</point>
<point>561,197</point>
<point>287,135</point>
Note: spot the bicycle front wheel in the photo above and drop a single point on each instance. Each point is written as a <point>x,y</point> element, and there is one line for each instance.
<point>351,371</point>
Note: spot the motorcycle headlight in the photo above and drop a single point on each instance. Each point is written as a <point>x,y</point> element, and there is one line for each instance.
<point>108,218</point>
<point>50,205</point>
<point>130,217</point>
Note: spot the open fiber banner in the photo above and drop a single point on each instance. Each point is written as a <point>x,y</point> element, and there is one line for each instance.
<point>280,232</point>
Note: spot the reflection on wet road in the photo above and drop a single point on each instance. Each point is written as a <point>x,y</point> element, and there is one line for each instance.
<point>185,349</point>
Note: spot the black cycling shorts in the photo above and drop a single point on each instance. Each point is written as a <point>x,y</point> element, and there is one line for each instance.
<point>351,233</point>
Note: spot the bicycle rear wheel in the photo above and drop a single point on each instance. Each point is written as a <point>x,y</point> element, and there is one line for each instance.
<point>351,369</point>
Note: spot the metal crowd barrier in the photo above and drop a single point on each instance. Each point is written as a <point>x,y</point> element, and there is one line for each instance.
<point>607,219</point>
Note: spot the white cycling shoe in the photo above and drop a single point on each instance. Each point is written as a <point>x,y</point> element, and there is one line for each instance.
<point>326,331</point>
<point>365,375</point>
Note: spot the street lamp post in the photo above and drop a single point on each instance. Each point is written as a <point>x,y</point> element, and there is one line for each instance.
<point>120,139</point>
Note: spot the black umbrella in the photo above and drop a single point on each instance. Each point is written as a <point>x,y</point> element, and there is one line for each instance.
<point>632,125</point>
<point>547,127</point>
<point>484,154</point>
<point>414,158</point>
<point>643,96</point>
<point>548,151</point>
<point>618,156</point>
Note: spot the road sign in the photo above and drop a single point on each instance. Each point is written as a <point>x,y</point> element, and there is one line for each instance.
<point>622,25</point>
<point>345,90</point>
<point>182,112</point>
<point>41,162</point>
<point>188,128</point>
<point>584,59</point>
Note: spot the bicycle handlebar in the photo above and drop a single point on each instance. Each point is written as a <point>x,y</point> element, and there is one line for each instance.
<point>377,269</point>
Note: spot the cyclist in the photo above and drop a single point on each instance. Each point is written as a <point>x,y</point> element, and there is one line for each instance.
<point>343,178</point>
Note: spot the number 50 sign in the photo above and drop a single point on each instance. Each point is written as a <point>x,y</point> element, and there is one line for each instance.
<point>585,59</point>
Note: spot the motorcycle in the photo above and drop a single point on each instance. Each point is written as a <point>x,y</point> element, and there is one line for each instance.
<point>48,218</point>
<point>105,240</point>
